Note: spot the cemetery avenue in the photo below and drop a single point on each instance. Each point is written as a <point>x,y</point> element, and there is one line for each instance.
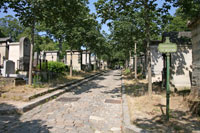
<point>100,66</point>
<point>83,110</point>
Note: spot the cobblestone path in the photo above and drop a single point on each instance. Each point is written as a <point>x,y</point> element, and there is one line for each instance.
<point>94,107</point>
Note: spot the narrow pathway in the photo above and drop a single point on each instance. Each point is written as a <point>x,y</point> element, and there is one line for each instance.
<point>94,107</point>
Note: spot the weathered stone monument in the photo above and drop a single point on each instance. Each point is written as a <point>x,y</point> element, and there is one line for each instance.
<point>9,77</point>
<point>24,54</point>
<point>180,61</point>
<point>195,27</point>
<point>8,68</point>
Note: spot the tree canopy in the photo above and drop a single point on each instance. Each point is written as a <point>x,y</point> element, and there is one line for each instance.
<point>190,8</point>
<point>178,22</point>
<point>10,27</point>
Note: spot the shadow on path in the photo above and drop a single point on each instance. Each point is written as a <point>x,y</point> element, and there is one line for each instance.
<point>114,92</point>
<point>179,122</point>
<point>86,88</point>
<point>13,124</point>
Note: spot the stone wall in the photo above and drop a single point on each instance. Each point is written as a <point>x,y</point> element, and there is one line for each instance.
<point>52,56</point>
<point>156,63</point>
<point>181,67</point>
<point>84,58</point>
<point>196,58</point>
<point>11,82</point>
<point>14,53</point>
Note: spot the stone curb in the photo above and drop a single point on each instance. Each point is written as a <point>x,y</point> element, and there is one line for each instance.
<point>127,127</point>
<point>50,90</point>
<point>47,97</point>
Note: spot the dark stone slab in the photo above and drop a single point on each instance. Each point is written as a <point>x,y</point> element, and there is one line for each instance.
<point>68,99</point>
<point>113,101</point>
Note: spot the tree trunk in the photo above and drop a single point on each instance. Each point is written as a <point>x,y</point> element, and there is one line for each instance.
<point>103,67</point>
<point>99,63</point>
<point>31,55</point>
<point>135,61</point>
<point>147,25</point>
<point>149,68</point>
<point>95,63</point>
<point>60,49</point>
<point>86,59</point>
<point>126,66</point>
<point>71,68</point>
<point>130,61</point>
<point>90,68</point>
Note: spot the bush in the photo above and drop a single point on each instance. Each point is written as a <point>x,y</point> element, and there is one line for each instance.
<point>127,71</point>
<point>57,67</point>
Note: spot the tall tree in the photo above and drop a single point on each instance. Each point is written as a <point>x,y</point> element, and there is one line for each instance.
<point>190,8</point>
<point>178,22</point>
<point>29,14</point>
<point>11,27</point>
<point>67,27</point>
<point>32,12</point>
<point>153,18</point>
<point>1,34</point>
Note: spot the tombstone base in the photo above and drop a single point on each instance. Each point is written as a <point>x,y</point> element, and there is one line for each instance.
<point>11,82</point>
<point>24,73</point>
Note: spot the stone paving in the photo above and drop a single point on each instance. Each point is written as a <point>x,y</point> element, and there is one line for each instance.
<point>94,107</point>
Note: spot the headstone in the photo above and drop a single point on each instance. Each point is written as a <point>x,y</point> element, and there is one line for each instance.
<point>24,54</point>
<point>8,68</point>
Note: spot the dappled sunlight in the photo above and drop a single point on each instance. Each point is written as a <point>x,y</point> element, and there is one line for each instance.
<point>149,112</point>
<point>13,123</point>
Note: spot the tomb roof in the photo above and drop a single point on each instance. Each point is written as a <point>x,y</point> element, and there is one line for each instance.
<point>5,39</point>
<point>180,38</point>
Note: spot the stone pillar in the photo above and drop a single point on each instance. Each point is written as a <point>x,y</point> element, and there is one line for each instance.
<point>195,90</point>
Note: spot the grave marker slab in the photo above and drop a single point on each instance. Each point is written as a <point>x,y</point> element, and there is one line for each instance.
<point>8,68</point>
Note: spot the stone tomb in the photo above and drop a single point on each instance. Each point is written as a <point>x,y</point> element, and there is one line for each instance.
<point>9,77</point>
<point>24,54</point>
<point>80,59</point>
<point>180,61</point>
<point>49,55</point>
<point>76,59</point>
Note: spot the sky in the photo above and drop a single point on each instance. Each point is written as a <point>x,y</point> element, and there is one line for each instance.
<point>92,10</point>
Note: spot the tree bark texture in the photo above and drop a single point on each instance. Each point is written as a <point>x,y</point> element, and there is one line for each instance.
<point>147,25</point>
<point>71,67</point>
<point>135,51</point>
<point>31,55</point>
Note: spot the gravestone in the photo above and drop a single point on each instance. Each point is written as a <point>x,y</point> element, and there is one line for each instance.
<point>8,68</point>
<point>24,55</point>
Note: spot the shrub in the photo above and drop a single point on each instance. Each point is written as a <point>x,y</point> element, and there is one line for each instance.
<point>57,67</point>
<point>127,71</point>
